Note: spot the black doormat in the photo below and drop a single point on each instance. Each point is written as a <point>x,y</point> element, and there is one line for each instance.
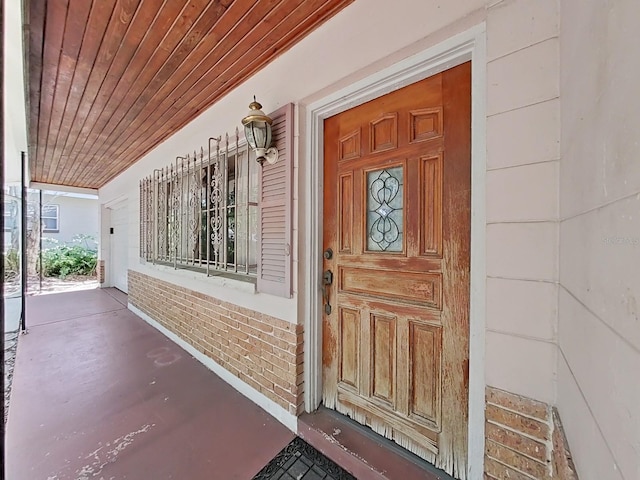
<point>300,461</point>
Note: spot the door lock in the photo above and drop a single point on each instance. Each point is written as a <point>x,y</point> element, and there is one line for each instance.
<point>328,254</point>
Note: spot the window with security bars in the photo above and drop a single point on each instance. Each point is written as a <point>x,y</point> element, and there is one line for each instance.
<point>220,212</point>
<point>201,212</point>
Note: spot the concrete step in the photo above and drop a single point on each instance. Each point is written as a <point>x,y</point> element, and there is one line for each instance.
<point>361,451</point>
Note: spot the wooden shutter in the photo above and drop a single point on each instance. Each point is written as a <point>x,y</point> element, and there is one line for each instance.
<point>275,207</point>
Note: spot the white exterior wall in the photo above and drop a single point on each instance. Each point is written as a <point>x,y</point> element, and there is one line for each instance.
<point>599,304</point>
<point>14,114</point>
<point>522,196</point>
<point>76,216</point>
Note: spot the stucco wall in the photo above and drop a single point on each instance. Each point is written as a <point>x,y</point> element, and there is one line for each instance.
<point>599,297</point>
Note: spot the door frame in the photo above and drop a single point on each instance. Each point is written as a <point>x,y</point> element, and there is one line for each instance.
<point>468,45</point>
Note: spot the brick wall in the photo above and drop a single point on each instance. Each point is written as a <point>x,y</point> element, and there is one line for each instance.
<point>562,462</point>
<point>100,271</point>
<point>518,432</point>
<point>263,351</point>
<point>524,440</point>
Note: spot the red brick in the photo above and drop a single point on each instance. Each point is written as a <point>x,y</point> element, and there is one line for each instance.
<point>500,471</point>
<point>514,440</point>
<point>517,403</point>
<point>517,422</point>
<point>516,460</point>
<point>563,466</point>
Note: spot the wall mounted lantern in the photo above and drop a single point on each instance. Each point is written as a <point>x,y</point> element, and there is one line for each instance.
<point>257,130</point>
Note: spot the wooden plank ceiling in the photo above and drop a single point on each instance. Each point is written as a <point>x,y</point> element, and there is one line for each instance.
<point>109,79</point>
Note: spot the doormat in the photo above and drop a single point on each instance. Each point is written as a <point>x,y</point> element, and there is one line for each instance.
<point>300,461</point>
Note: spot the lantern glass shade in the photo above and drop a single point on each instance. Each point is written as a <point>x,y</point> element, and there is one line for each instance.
<point>257,130</point>
<point>258,134</point>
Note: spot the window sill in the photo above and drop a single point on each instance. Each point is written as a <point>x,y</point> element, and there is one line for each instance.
<point>217,278</point>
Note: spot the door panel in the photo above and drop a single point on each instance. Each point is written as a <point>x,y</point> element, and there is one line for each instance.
<point>424,365</point>
<point>382,345</point>
<point>431,203</point>
<point>118,243</point>
<point>346,213</point>
<point>349,346</point>
<point>397,214</point>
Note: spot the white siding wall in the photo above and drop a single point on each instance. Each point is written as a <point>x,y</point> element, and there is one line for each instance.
<point>522,196</point>
<point>599,306</point>
<point>76,216</point>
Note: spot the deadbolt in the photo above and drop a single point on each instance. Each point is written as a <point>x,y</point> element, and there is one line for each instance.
<point>328,254</point>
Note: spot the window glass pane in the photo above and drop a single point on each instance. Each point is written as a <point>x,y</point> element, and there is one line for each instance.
<point>50,211</point>
<point>254,170</point>
<point>50,223</point>
<point>385,212</point>
<point>163,218</point>
<point>241,237</point>
<point>231,211</point>
<point>242,185</point>
<point>253,239</point>
<point>246,238</point>
<point>246,213</point>
<point>207,213</point>
<point>9,223</point>
<point>10,214</point>
<point>184,216</point>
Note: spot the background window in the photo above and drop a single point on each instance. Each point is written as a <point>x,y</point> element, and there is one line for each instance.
<point>10,213</point>
<point>50,218</point>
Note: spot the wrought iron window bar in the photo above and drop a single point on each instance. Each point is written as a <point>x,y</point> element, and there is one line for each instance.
<point>201,211</point>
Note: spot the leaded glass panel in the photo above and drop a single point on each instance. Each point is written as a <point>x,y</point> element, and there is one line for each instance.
<point>385,210</point>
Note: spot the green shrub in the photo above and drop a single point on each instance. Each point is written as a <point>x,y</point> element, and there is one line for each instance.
<point>69,260</point>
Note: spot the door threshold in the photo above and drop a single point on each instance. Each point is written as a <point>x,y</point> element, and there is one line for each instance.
<point>361,451</point>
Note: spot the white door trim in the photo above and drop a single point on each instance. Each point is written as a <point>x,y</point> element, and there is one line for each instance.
<point>468,45</point>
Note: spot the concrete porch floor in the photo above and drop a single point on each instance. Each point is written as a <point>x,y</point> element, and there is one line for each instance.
<point>98,393</point>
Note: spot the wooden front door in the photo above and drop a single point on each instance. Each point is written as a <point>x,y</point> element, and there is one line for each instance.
<point>397,189</point>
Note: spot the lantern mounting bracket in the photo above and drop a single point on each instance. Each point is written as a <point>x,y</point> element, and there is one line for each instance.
<point>270,155</point>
